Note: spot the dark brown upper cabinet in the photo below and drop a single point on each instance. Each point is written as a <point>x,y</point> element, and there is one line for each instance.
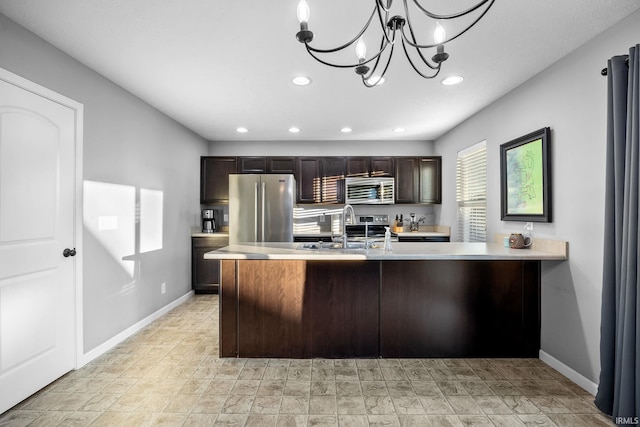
<point>214,179</point>
<point>320,180</point>
<point>308,177</point>
<point>252,165</point>
<point>407,179</point>
<point>430,180</point>
<point>333,171</point>
<point>418,180</point>
<point>358,166</point>
<point>382,166</point>
<point>369,166</point>
<point>273,165</point>
<point>281,165</point>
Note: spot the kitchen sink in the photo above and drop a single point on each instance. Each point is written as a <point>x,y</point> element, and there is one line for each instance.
<point>316,246</point>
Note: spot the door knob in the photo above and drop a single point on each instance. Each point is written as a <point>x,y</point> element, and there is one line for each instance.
<point>69,252</point>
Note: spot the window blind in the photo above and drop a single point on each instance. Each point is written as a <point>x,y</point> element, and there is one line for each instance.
<point>471,193</point>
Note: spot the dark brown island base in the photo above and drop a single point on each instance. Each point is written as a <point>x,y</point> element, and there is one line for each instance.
<point>420,300</point>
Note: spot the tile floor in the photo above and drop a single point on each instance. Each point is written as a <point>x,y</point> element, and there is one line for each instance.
<point>169,374</point>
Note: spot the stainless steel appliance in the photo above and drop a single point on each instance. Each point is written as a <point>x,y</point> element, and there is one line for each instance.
<point>208,221</point>
<point>370,191</point>
<point>261,208</point>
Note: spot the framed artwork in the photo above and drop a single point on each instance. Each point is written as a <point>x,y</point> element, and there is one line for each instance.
<point>525,178</point>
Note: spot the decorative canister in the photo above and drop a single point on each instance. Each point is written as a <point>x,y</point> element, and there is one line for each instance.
<point>518,241</point>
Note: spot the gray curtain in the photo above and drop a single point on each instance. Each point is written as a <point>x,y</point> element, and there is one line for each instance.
<point>619,388</point>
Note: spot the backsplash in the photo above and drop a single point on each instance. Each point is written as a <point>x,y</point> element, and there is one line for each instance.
<point>317,219</point>
<point>313,219</point>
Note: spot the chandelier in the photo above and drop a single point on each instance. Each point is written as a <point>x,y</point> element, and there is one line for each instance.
<point>390,26</point>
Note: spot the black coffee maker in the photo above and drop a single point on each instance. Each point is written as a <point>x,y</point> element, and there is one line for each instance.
<point>208,220</point>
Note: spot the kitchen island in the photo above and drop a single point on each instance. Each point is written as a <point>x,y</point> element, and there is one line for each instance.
<point>420,300</point>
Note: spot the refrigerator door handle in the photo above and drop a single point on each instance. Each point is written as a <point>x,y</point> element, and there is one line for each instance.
<point>264,190</point>
<point>255,213</point>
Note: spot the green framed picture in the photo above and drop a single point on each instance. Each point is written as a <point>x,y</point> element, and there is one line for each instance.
<point>525,178</point>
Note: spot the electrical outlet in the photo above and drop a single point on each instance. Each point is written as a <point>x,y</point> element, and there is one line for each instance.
<point>163,288</point>
<point>528,226</point>
<point>226,217</point>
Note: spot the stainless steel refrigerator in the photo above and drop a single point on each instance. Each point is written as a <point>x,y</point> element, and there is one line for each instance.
<point>261,208</point>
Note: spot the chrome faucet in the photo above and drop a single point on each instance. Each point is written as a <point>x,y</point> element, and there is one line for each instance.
<point>367,243</point>
<point>344,223</point>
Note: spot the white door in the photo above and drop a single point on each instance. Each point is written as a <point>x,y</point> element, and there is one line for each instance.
<point>37,187</point>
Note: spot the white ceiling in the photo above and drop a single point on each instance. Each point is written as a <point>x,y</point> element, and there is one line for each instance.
<point>214,66</point>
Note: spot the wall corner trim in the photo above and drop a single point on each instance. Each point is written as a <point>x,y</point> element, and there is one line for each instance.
<point>574,376</point>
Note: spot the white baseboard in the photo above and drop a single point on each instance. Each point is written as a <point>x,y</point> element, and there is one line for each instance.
<point>574,376</point>
<point>117,339</point>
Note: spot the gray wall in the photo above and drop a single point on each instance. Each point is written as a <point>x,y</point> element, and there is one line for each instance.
<point>128,146</point>
<point>569,97</point>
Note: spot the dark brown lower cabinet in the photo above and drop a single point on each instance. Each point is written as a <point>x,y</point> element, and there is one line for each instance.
<point>302,309</point>
<point>205,273</point>
<point>460,309</point>
<point>451,308</point>
<point>228,309</point>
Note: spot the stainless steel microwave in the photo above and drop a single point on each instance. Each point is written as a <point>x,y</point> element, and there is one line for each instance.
<point>369,191</point>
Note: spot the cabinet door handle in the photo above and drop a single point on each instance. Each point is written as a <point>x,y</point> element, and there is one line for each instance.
<point>264,189</point>
<point>255,214</point>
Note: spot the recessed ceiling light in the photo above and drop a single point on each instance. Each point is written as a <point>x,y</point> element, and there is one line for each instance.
<point>301,80</point>
<point>452,80</point>
<point>242,130</point>
<point>346,130</point>
<point>294,130</point>
<point>375,80</point>
<point>398,130</point>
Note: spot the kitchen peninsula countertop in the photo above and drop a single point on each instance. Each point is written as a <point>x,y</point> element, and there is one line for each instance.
<point>419,300</point>
<point>542,250</point>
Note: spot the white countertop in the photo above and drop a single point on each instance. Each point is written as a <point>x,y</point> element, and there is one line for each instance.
<point>427,231</point>
<point>423,234</point>
<point>216,234</point>
<point>401,251</point>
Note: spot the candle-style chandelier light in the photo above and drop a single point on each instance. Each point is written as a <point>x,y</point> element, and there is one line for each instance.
<point>390,26</point>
